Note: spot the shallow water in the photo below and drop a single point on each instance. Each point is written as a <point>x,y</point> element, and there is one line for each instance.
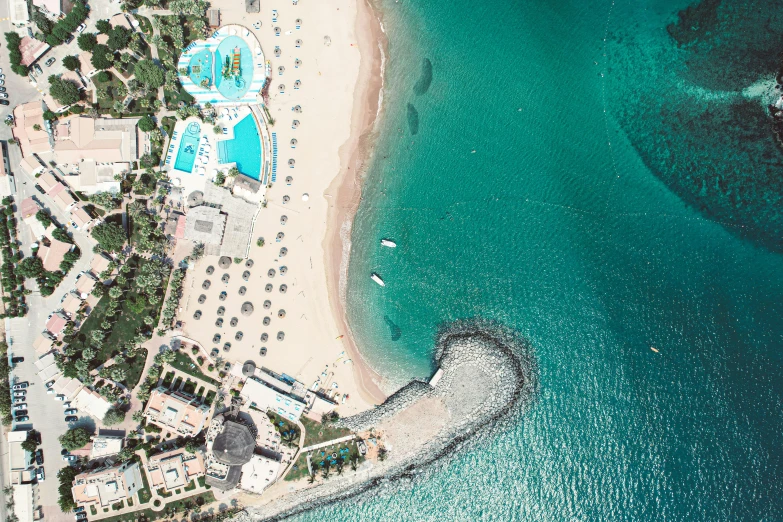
<point>572,171</point>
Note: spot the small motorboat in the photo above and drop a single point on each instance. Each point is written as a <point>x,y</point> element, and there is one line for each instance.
<point>388,243</point>
<point>653,348</point>
<point>375,277</point>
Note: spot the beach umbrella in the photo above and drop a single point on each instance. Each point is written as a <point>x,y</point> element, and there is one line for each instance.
<point>291,162</point>
<point>242,290</point>
<point>224,262</point>
<point>283,288</point>
<point>267,304</point>
<point>289,179</point>
<point>277,31</point>
<point>281,88</point>
<point>298,43</point>
<point>268,288</point>
<point>305,196</point>
<point>297,62</point>
<point>277,52</point>
<point>246,275</point>
<point>283,270</point>
<point>247,308</point>
<point>297,84</point>
<point>266,321</point>
<point>201,299</point>
<point>280,70</point>
<point>225,278</point>
<point>206,284</point>
<point>210,270</point>
<point>249,263</point>
<point>283,220</point>
<point>283,251</point>
<point>280,236</point>
<point>298,21</point>
<point>221,310</point>
<point>280,336</point>
<point>286,199</point>
<point>264,337</point>
<point>293,142</point>
<point>281,313</point>
<point>298,109</point>
<point>295,124</point>
<point>271,273</point>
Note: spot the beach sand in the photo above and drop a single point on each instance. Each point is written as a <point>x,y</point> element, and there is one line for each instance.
<point>340,86</point>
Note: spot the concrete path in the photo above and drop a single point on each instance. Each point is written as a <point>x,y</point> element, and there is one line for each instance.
<point>330,443</point>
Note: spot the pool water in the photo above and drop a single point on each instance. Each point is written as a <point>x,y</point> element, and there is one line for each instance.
<point>244,149</point>
<point>200,67</point>
<point>188,145</point>
<point>233,88</point>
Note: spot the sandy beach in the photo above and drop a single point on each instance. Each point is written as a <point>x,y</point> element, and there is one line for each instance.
<point>331,53</point>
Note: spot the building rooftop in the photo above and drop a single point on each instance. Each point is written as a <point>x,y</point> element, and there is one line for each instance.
<point>174,469</point>
<point>105,445</point>
<point>29,128</point>
<point>95,177</point>
<point>92,403</point>
<point>70,303</point>
<point>42,344</point>
<point>80,217</point>
<point>176,412</point>
<point>259,473</point>
<point>84,284</point>
<point>106,486</point>
<point>205,225</point>
<point>99,263</point>
<point>104,140</point>
<point>31,50</point>
<point>29,207</point>
<point>56,324</point>
<point>49,183</point>
<point>234,445</point>
<point>53,254</point>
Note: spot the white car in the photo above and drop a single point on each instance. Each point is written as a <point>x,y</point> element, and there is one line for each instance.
<point>3,95</point>
<point>19,393</point>
<point>2,76</point>
<point>50,391</point>
<point>81,28</point>
<point>2,82</point>
<point>69,458</point>
<point>60,397</point>
<point>20,407</point>
<point>67,405</point>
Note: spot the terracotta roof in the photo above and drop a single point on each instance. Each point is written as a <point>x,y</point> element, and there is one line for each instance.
<point>53,255</point>
<point>56,324</point>
<point>30,207</point>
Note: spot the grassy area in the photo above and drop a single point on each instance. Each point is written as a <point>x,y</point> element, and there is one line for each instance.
<point>289,432</point>
<point>177,506</point>
<point>346,451</point>
<point>144,24</point>
<point>123,329</point>
<point>210,397</point>
<point>144,493</point>
<point>110,87</point>
<point>202,481</point>
<point>185,364</point>
<point>191,486</point>
<point>163,493</point>
<point>174,97</point>
<point>93,511</point>
<point>315,432</point>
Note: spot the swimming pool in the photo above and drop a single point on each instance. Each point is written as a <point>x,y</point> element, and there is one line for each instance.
<point>200,67</point>
<point>188,146</point>
<point>233,88</point>
<point>244,149</point>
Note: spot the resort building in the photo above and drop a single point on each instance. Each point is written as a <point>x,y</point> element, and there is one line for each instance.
<point>84,284</point>
<point>56,324</point>
<point>52,7</point>
<point>105,446</point>
<point>18,458</point>
<point>80,219</point>
<point>259,473</point>
<point>92,403</point>
<point>67,386</point>
<point>42,344</point>
<point>174,469</point>
<point>101,140</point>
<point>62,198</point>
<point>31,165</point>
<point>46,367</point>
<point>266,392</point>
<point>20,15</point>
<point>99,264</point>
<point>49,183</point>
<point>205,225</point>
<point>24,503</point>
<point>30,128</point>
<point>106,486</point>
<point>175,411</point>
<point>230,445</point>
<point>70,304</point>
<point>93,177</point>
<point>53,254</point>
<point>32,50</point>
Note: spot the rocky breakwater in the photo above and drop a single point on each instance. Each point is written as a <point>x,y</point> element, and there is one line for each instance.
<point>488,375</point>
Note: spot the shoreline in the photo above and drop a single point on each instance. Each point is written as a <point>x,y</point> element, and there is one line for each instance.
<point>344,192</point>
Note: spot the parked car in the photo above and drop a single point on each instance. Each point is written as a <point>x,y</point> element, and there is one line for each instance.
<point>20,407</point>
<point>37,69</point>
<point>20,393</point>
<point>39,474</point>
<point>2,76</point>
<point>23,418</point>
<point>14,360</point>
<point>69,458</point>
<point>71,418</point>
<point>66,405</point>
<point>4,102</point>
<point>20,386</point>
<point>21,413</point>
<point>81,28</point>
<point>2,89</point>
<point>60,397</point>
<point>50,61</point>
<point>49,384</point>
<point>19,400</point>
<point>71,411</point>
<point>39,457</point>
<point>50,391</point>
<point>79,509</point>
<point>80,516</point>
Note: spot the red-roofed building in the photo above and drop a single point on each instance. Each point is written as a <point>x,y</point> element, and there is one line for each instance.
<point>30,207</point>
<point>31,50</point>
<point>56,324</point>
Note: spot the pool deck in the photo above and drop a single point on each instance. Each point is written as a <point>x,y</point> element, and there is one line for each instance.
<point>211,94</point>
<point>207,163</point>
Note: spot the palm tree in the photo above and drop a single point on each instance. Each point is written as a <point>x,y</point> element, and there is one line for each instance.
<point>354,462</point>
<point>326,469</point>
<point>340,464</point>
<point>311,478</point>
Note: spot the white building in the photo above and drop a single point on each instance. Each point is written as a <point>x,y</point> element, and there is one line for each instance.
<point>263,396</point>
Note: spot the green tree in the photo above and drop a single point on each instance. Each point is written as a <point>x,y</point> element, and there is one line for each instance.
<point>101,57</point>
<point>65,476</point>
<point>87,41</point>
<point>71,62</point>
<point>103,26</point>
<point>119,37</point>
<point>149,74</point>
<point>103,77</point>
<point>64,91</point>
<point>43,217</point>
<point>114,416</point>
<point>110,237</point>
<point>74,438</point>
<point>149,160</point>
<point>30,267</point>
<point>146,123</point>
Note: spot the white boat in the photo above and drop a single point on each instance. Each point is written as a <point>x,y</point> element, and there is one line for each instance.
<point>388,243</point>
<point>375,277</point>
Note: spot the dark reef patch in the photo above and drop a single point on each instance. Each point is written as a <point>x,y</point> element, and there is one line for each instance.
<point>422,85</point>
<point>413,119</point>
<point>394,330</point>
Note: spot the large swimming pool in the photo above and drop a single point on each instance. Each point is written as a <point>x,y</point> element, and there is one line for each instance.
<point>233,88</point>
<point>188,145</point>
<point>244,149</point>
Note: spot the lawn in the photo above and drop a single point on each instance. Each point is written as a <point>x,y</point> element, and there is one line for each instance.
<point>144,493</point>
<point>106,102</point>
<point>315,432</point>
<point>347,450</point>
<point>191,486</point>
<point>185,364</point>
<point>144,24</point>
<point>177,506</point>
<point>123,328</point>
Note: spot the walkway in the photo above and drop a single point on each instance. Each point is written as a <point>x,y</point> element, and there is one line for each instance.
<point>330,443</point>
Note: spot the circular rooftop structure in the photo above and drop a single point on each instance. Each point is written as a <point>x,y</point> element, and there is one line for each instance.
<point>234,445</point>
<point>249,369</point>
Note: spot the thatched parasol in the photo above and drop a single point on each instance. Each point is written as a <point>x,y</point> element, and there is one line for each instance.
<point>247,308</point>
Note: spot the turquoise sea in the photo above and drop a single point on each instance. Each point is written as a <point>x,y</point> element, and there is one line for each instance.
<point>600,176</point>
